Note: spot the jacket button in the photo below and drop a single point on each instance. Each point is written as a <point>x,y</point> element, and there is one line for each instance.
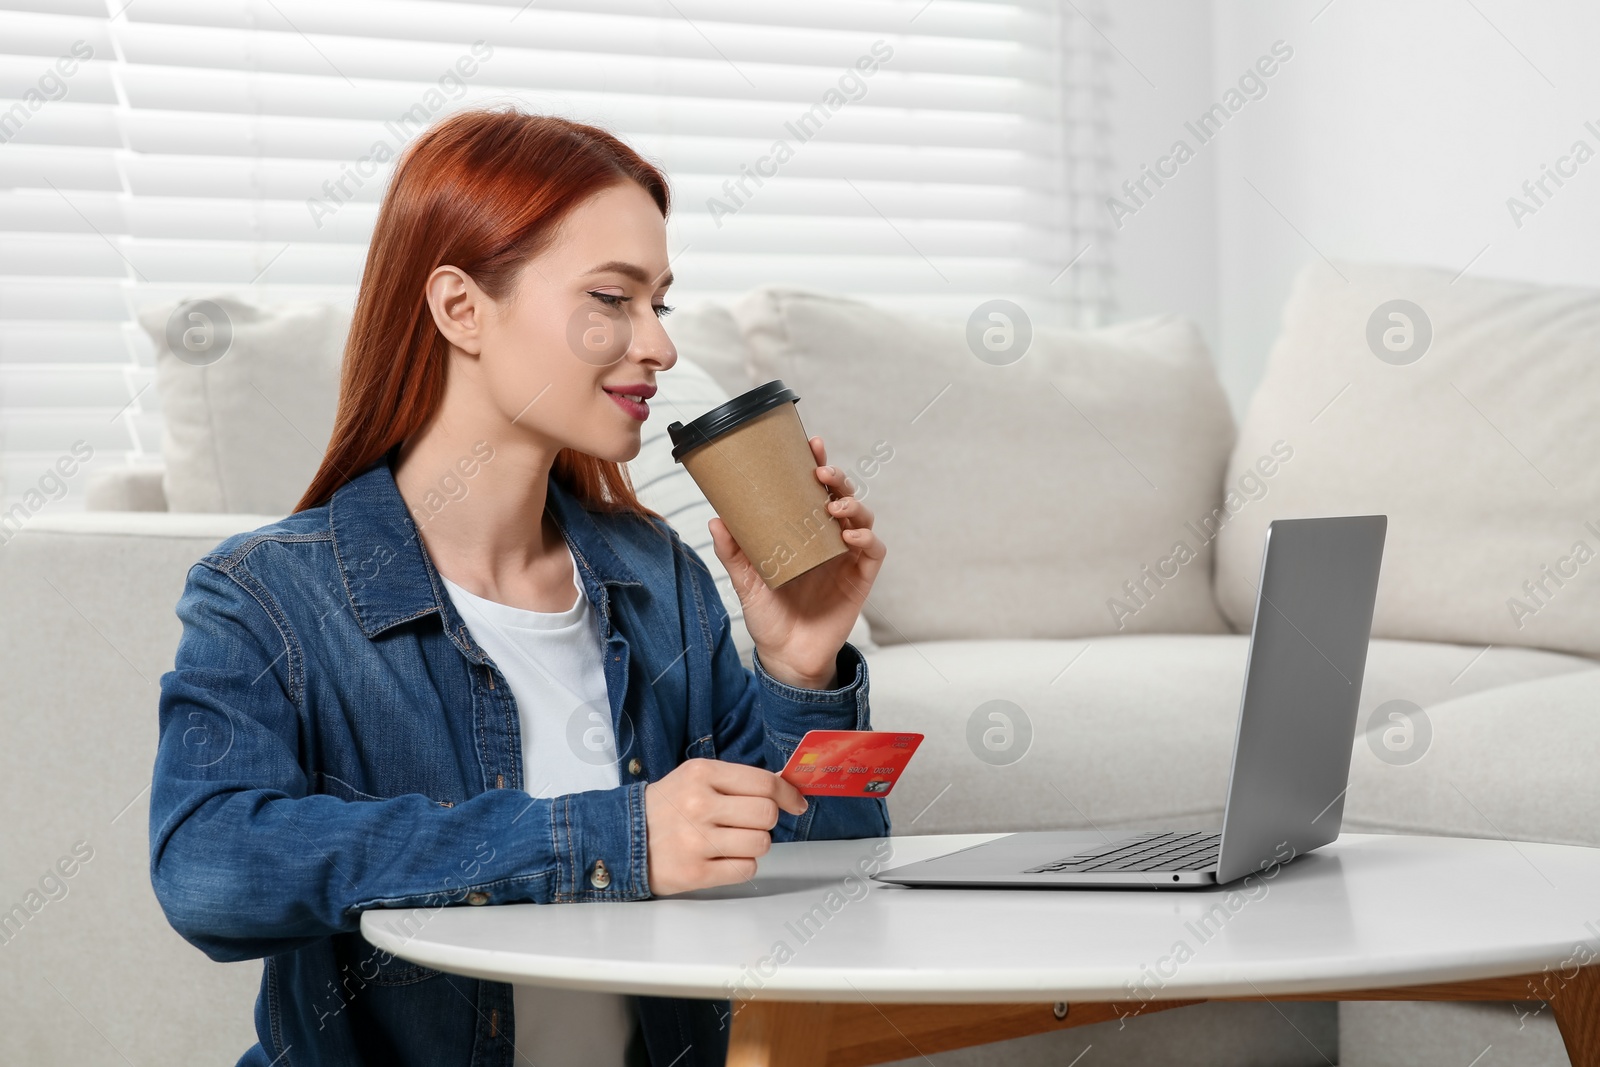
<point>477,898</point>
<point>635,768</point>
<point>599,875</point>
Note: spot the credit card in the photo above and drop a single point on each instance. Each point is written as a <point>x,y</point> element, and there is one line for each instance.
<point>849,763</point>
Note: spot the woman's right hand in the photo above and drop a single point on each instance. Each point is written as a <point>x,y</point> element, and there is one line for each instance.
<point>707,821</point>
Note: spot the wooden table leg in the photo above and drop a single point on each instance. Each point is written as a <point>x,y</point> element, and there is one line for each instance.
<point>1577,1008</point>
<point>770,1033</point>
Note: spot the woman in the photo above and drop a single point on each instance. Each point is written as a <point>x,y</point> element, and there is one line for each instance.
<point>395,696</point>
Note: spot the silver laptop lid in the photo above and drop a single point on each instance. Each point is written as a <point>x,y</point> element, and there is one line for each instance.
<point>1302,690</point>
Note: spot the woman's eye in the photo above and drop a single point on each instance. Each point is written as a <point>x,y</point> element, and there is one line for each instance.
<point>610,300</point>
<point>662,311</point>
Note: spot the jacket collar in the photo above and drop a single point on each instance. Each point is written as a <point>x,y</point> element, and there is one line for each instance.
<point>388,574</point>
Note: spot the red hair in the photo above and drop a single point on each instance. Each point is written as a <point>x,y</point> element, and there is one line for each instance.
<point>483,191</point>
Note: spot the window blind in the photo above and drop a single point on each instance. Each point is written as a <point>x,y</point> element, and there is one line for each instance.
<point>923,154</point>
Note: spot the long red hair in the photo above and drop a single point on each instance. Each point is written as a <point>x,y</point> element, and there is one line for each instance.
<point>482,190</point>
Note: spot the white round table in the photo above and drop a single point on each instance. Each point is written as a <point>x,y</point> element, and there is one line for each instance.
<point>811,946</point>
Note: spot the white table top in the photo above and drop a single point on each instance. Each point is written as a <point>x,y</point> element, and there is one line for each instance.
<point>1368,911</point>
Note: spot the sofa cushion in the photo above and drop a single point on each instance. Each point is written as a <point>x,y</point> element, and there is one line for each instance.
<point>1060,495</point>
<point>1476,433</point>
<point>247,405</point>
<point>1511,762</point>
<point>1137,731</point>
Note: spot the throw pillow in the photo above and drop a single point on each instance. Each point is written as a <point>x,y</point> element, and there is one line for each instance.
<point>247,399</point>
<point>1467,410</point>
<point>1056,491</point>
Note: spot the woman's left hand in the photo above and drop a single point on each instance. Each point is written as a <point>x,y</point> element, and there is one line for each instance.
<point>800,627</point>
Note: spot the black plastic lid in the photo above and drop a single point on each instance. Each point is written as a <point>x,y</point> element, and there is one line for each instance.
<point>735,413</point>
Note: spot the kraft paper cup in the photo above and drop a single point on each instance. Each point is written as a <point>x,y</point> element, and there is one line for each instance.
<point>752,460</point>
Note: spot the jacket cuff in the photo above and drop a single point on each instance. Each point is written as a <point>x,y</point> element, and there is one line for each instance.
<point>601,847</point>
<point>789,711</point>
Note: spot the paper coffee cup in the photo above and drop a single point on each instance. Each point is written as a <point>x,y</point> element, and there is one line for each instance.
<point>752,460</point>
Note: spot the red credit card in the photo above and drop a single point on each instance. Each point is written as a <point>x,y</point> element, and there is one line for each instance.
<point>849,763</point>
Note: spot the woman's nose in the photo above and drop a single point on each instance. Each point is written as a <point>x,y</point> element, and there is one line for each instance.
<point>652,345</point>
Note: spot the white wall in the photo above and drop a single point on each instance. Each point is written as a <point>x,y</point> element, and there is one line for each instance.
<point>1396,132</point>
<point>1164,256</point>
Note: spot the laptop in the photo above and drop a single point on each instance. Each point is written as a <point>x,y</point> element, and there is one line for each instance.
<point>1291,749</point>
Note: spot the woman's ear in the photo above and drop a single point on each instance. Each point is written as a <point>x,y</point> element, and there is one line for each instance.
<point>458,307</point>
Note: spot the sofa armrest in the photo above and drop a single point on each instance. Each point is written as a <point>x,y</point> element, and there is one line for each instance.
<point>88,630</point>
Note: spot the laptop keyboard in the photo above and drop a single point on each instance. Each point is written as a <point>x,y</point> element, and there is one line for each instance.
<point>1159,851</point>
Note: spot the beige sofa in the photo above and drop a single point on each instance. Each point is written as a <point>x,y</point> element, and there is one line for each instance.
<point>1034,506</point>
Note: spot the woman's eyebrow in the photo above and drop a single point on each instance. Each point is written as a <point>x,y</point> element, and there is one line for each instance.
<point>634,271</point>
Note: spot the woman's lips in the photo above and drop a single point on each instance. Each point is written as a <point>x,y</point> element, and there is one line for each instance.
<point>634,405</point>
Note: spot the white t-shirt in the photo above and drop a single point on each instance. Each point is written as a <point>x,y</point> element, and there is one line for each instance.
<point>554,663</point>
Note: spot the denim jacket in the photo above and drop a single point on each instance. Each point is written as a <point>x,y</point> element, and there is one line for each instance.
<point>333,740</point>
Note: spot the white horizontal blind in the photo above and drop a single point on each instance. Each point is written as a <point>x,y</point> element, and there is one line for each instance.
<point>240,146</point>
